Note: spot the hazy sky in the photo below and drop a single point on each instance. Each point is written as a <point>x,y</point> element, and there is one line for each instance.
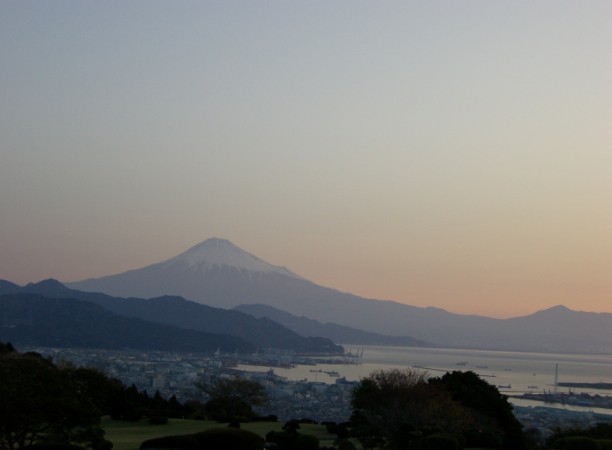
<point>455,154</point>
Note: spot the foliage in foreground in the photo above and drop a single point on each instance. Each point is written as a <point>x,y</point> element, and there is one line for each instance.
<point>598,437</point>
<point>47,405</point>
<point>44,405</point>
<point>232,437</point>
<point>232,398</point>
<point>402,409</point>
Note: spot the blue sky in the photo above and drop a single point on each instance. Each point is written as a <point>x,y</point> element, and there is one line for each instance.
<point>450,154</point>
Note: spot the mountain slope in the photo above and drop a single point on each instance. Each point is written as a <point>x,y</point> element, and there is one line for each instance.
<point>226,282</point>
<point>584,332</point>
<point>201,272</point>
<point>217,252</point>
<point>31,319</point>
<point>205,275</point>
<point>6,287</point>
<point>337,333</point>
<point>177,311</point>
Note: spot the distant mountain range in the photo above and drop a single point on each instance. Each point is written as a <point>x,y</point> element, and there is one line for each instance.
<point>337,333</point>
<point>183,322</point>
<point>217,273</point>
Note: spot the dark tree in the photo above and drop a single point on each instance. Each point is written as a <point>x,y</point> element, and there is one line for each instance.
<point>249,391</point>
<point>491,409</point>
<point>94,384</point>
<point>6,348</point>
<point>369,435</point>
<point>174,409</point>
<point>400,406</point>
<point>226,409</point>
<point>232,398</point>
<point>41,403</point>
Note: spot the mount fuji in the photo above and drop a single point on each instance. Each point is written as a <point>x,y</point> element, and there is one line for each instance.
<point>218,273</point>
<point>214,272</point>
<point>217,253</point>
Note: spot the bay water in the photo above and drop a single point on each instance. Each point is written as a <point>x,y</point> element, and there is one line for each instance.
<point>513,373</point>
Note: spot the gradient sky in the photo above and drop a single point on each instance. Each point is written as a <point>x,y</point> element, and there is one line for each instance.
<point>455,154</point>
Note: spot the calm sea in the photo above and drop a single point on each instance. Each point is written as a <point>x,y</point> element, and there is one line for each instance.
<point>512,372</point>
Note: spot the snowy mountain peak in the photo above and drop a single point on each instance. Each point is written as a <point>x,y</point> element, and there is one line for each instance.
<point>221,252</point>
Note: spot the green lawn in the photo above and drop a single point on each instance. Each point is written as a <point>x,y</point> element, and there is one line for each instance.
<point>129,435</point>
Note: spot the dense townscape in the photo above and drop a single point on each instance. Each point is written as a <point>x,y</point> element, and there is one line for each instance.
<point>176,375</point>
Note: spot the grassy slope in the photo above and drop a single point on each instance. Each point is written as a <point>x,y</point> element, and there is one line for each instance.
<point>129,435</point>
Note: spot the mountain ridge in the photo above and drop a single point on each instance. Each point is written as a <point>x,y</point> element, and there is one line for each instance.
<point>337,333</point>
<point>32,319</point>
<point>228,286</point>
<point>179,312</point>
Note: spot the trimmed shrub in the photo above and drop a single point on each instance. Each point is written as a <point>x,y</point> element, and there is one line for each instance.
<point>282,439</point>
<point>185,442</point>
<point>331,427</point>
<point>229,439</point>
<point>605,444</point>
<point>292,426</point>
<point>439,442</point>
<point>346,445</point>
<point>306,442</point>
<point>576,443</point>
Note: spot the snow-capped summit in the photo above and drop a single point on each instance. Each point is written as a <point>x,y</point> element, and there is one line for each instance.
<point>216,252</point>
<point>204,273</point>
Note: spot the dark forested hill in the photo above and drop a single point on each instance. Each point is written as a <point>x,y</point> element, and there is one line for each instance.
<point>177,311</point>
<point>6,287</point>
<point>31,319</point>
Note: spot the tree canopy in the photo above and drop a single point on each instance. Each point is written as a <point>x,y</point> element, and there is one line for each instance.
<point>491,409</point>
<point>41,403</point>
<point>232,398</point>
<point>401,407</point>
